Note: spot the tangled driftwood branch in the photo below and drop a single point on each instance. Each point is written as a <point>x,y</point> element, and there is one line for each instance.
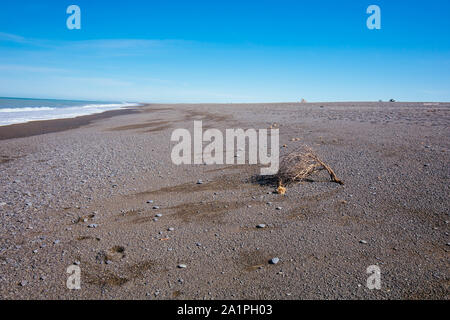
<point>299,165</point>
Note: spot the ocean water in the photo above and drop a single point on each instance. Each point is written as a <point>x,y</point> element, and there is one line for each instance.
<point>19,110</point>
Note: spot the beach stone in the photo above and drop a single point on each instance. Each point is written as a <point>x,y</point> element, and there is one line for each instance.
<point>261,226</point>
<point>155,219</point>
<point>274,260</point>
<point>93,225</point>
<point>159,215</point>
<point>23,283</point>
<point>171,229</point>
<point>199,181</point>
<point>149,201</point>
<point>56,241</point>
<point>363,241</point>
<point>2,204</point>
<point>279,208</point>
<point>77,263</point>
<point>182,266</point>
<point>155,208</point>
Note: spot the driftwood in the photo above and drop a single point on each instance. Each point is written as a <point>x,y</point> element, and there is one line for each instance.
<point>299,165</point>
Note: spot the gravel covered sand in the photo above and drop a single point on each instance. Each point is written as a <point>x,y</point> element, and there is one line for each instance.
<point>85,195</point>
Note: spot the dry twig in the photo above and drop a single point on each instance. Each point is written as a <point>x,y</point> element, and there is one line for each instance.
<point>300,164</point>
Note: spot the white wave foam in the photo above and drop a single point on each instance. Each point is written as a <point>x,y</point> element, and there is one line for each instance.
<point>26,114</point>
<point>27,109</point>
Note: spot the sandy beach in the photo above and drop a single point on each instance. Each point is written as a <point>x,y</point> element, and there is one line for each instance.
<point>86,192</point>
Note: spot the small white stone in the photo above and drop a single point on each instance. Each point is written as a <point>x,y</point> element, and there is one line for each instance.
<point>274,260</point>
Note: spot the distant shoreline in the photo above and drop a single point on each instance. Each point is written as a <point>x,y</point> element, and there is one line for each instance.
<point>33,128</point>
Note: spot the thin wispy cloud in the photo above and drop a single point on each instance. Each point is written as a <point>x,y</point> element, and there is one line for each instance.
<point>95,43</point>
<point>11,38</point>
<point>28,68</point>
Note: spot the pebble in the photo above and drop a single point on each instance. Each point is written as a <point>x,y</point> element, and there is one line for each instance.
<point>149,201</point>
<point>279,208</point>
<point>261,226</point>
<point>274,260</point>
<point>155,219</point>
<point>159,215</point>
<point>199,182</point>
<point>171,229</point>
<point>2,204</point>
<point>155,207</point>
<point>77,263</point>
<point>182,266</point>
<point>56,241</point>
<point>198,244</point>
<point>23,283</point>
<point>93,225</point>
<point>363,241</point>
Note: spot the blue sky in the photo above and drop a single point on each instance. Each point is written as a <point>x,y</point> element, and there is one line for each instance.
<point>226,51</point>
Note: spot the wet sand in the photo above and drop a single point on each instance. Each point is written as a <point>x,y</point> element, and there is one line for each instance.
<point>84,192</point>
<point>33,128</point>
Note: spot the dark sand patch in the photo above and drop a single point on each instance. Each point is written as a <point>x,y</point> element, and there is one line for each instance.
<point>6,158</point>
<point>206,116</point>
<point>144,125</point>
<point>251,260</point>
<point>82,238</point>
<point>160,128</point>
<point>227,182</point>
<point>205,211</point>
<point>105,278</point>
